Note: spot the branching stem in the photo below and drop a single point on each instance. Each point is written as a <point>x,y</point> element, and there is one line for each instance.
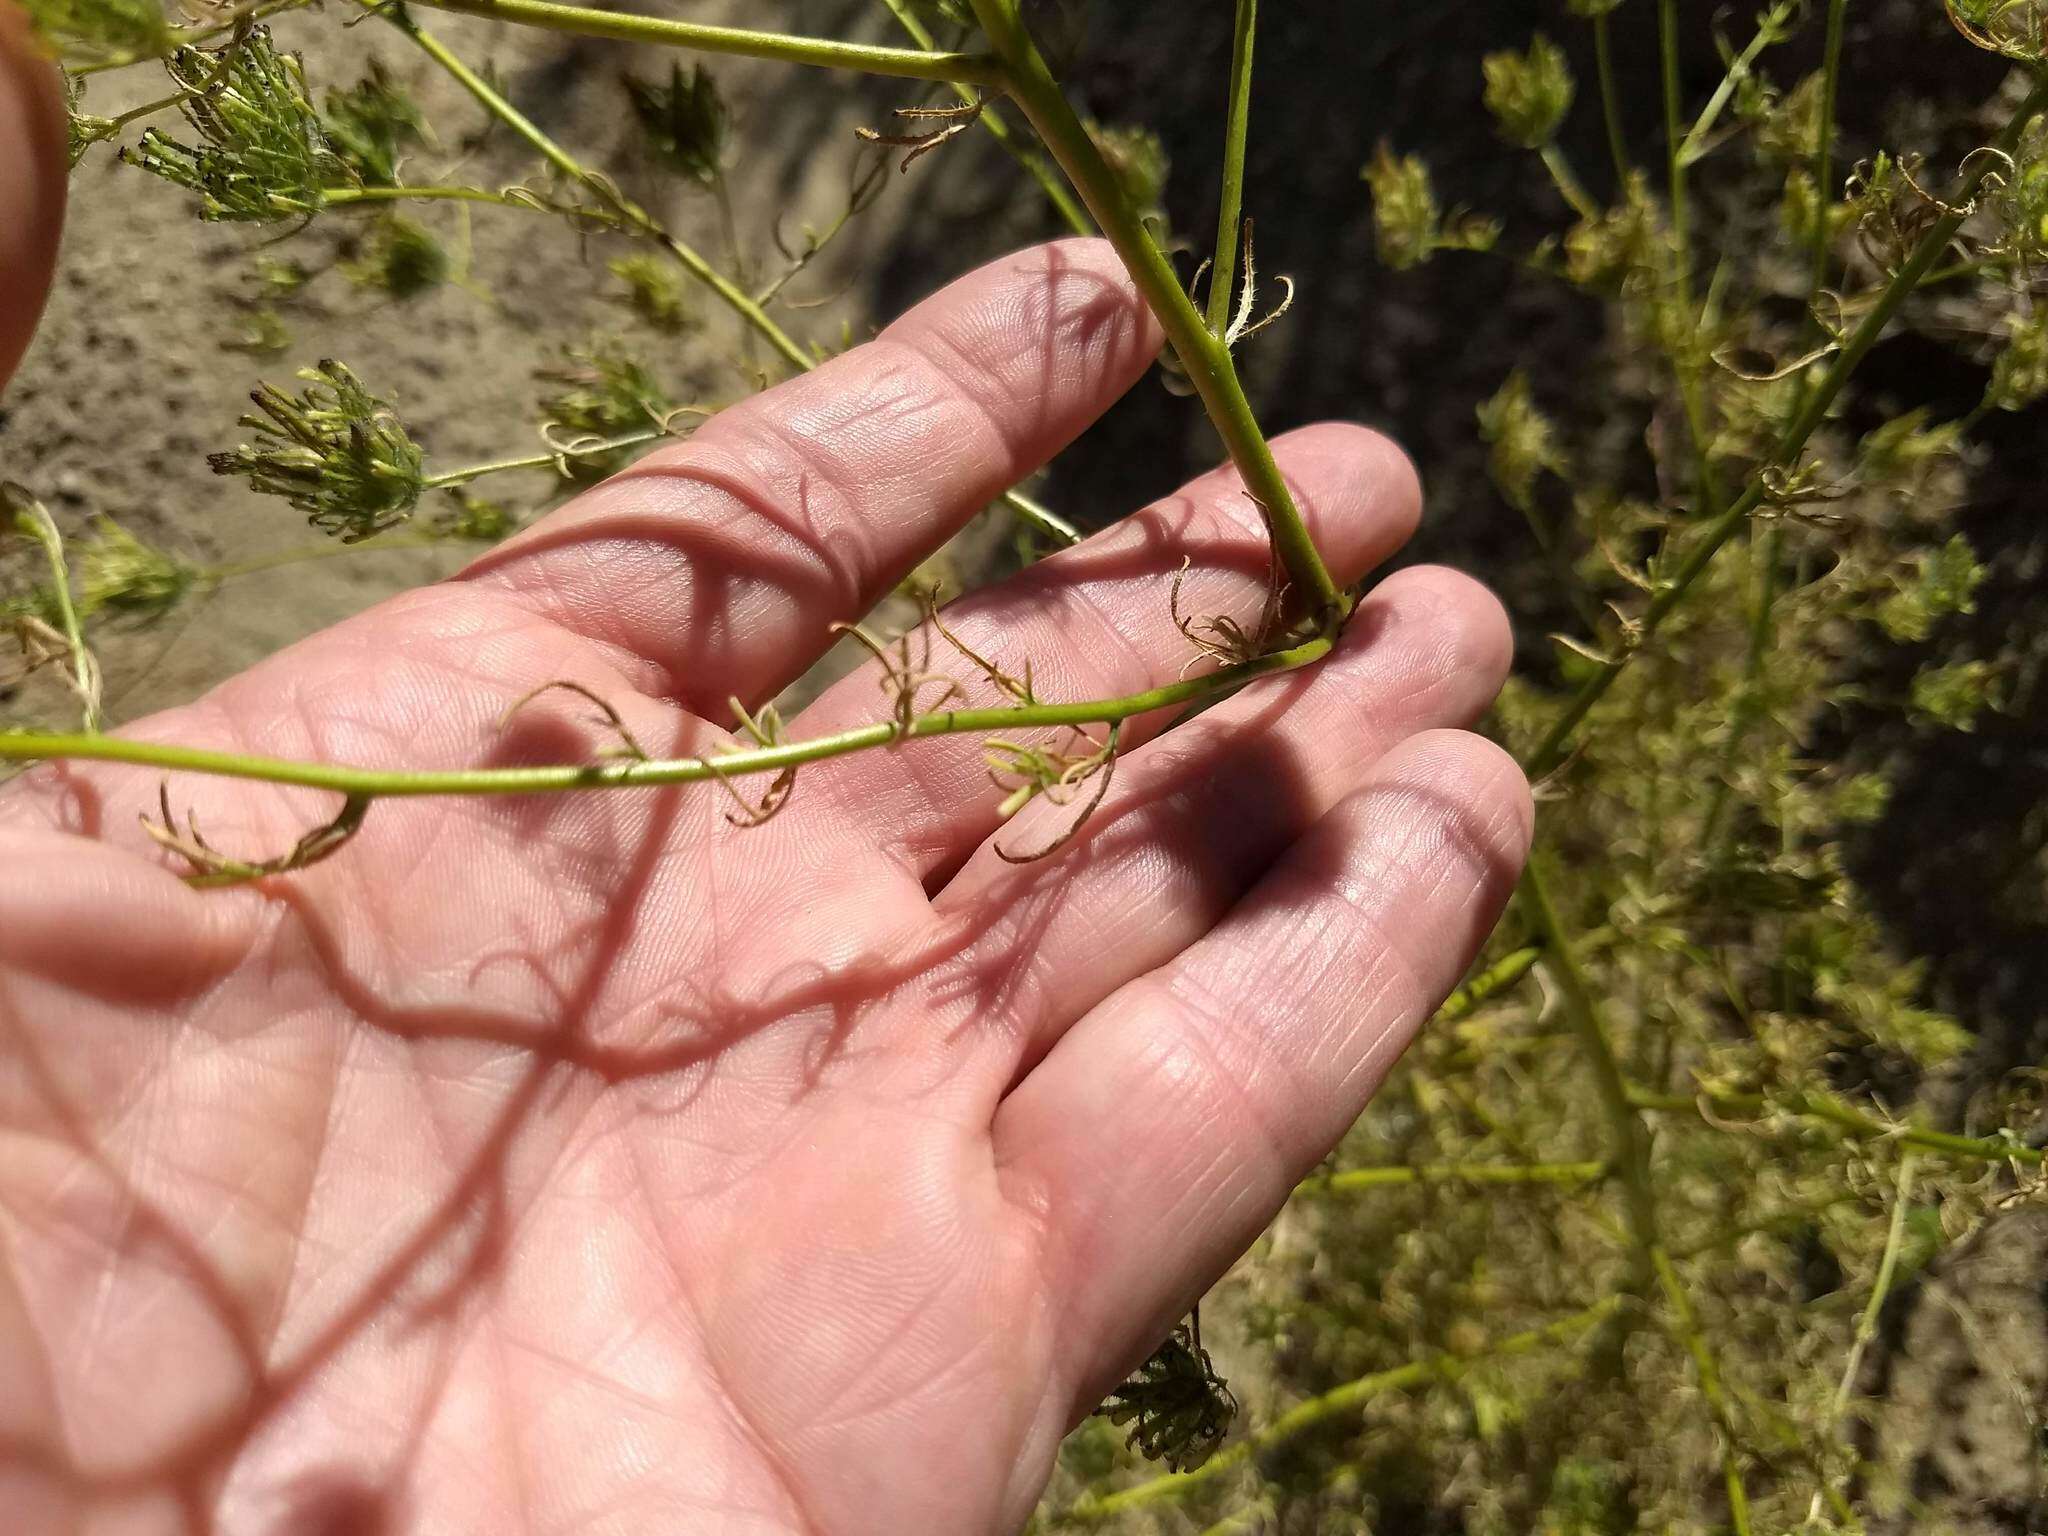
<point>32,746</point>
<point>825,53</point>
<point>1230,203</point>
<point>1202,353</point>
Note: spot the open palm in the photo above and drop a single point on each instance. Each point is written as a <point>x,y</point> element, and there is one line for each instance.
<point>591,1164</point>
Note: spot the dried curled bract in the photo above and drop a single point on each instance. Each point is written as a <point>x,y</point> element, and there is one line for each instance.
<point>1178,1408</point>
<point>209,867</point>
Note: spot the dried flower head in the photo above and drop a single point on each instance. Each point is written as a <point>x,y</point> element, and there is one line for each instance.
<point>403,259</point>
<point>1521,440</point>
<point>685,121</point>
<point>371,125</point>
<point>2019,377</point>
<point>101,31</point>
<point>654,292</point>
<point>119,573</point>
<point>334,450</point>
<point>1178,1408</point>
<point>1407,226</point>
<point>263,156</point>
<point>1529,93</point>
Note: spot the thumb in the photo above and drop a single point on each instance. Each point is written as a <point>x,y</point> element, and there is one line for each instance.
<point>33,171</point>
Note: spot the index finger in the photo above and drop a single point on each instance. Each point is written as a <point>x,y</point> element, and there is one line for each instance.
<point>33,166</point>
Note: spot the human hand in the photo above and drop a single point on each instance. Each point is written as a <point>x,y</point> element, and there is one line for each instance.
<point>590,1164</point>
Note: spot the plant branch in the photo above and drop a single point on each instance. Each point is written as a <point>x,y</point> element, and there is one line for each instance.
<point>1202,353</point>
<point>825,53</point>
<point>1610,100</point>
<point>1230,203</point>
<point>1056,191</point>
<point>1498,977</point>
<point>1345,1181</point>
<point>1829,1110</point>
<point>626,773</point>
<point>1550,751</point>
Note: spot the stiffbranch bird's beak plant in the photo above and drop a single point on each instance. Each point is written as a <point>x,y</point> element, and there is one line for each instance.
<point>1750,457</point>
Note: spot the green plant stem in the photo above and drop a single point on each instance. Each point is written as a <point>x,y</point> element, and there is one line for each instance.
<point>1686,363</point>
<point>492,101</point>
<point>1610,100</point>
<point>1496,978</point>
<point>1832,1111</point>
<point>375,783</point>
<point>1770,29</point>
<point>1707,1370</point>
<point>1230,202</point>
<point>1202,353</point>
<point>329,549</point>
<point>1349,1180</point>
<point>1625,1126</point>
<point>1567,182</point>
<point>341,197</point>
<point>1056,191</point>
<point>1348,1398</point>
<point>825,53</point>
<point>1873,1310</point>
<point>1550,751</point>
<point>469,472</point>
<point>34,520</point>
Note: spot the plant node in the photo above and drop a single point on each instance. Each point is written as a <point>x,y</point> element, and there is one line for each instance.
<point>953,122</point>
<point>1027,772</point>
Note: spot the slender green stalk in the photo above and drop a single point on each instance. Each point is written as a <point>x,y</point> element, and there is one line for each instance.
<point>35,746</point>
<point>547,460</point>
<point>1230,204</point>
<point>340,197</point>
<point>33,519</point>
<point>1349,1180</point>
<point>1632,1156</point>
<point>328,549</point>
<point>1346,1399</point>
<point>1202,353</point>
<point>1708,1372</point>
<point>1550,751</point>
<point>1056,191</point>
<point>187,37</point>
<point>1873,1310</point>
<point>825,53</point>
<point>488,96</point>
<point>1687,362</point>
<point>1610,100</point>
<point>1832,1111</point>
<point>1496,978</point>
<point>1625,1126</point>
<point>1770,29</point>
<point>1567,182</point>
